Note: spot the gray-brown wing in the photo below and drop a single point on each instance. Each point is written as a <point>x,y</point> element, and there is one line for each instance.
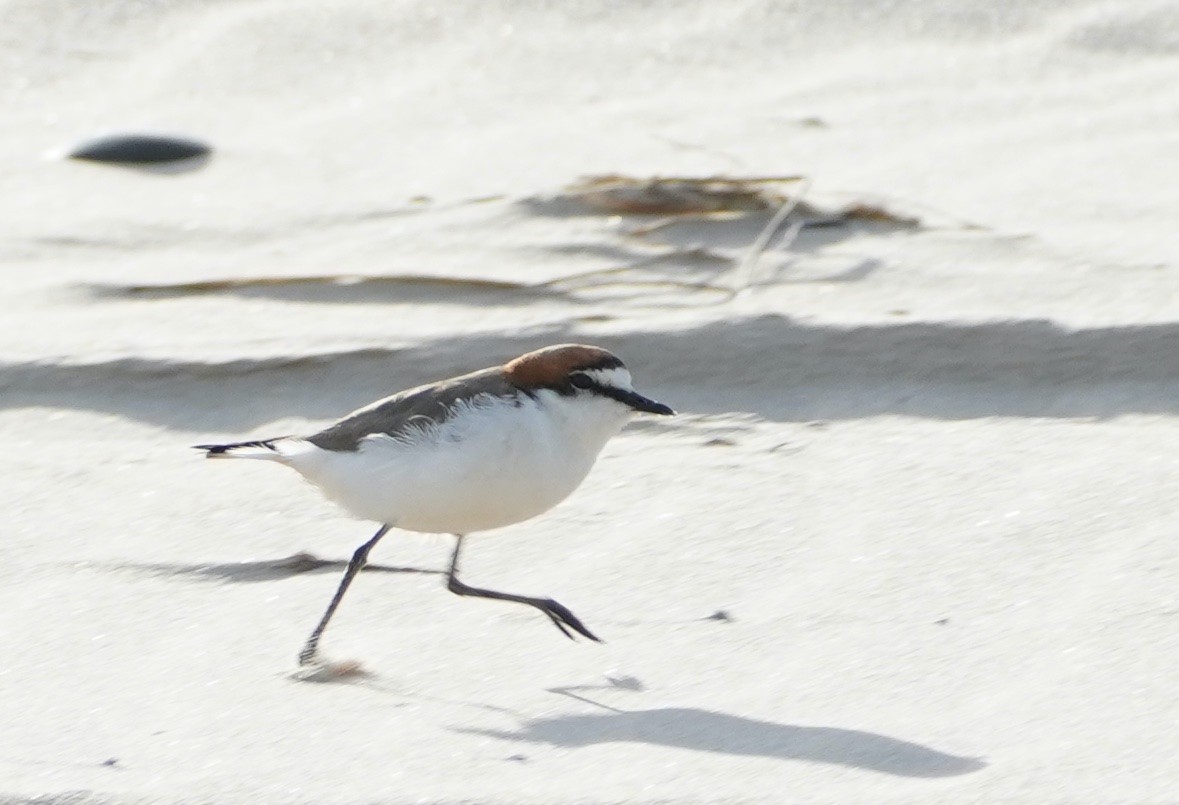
<point>393,415</point>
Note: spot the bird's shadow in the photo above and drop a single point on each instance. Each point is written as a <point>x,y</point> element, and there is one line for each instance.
<point>253,571</point>
<point>711,731</point>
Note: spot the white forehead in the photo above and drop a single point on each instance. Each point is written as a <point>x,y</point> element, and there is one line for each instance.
<point>617,377</point>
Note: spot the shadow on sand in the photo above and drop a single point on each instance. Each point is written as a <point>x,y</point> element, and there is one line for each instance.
<point>710,731</point>
<point>777,367</point>
<point>252,571</point>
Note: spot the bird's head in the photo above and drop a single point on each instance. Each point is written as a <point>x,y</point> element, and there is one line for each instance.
<point>581,371</point>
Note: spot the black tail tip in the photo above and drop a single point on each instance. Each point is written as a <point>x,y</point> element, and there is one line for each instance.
<point>220,449</point>
<point>212,449</point>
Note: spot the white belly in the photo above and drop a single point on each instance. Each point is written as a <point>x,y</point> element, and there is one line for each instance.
<point>490,466</point>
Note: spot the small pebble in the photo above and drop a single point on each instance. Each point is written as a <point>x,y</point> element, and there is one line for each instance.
<point>139,149</point>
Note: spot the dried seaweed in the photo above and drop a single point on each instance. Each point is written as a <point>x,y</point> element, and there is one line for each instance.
<point>714,198</point>
<point>876,213</point>
<point>614,194</point>
<point>348,280</point>
<point>572,288</point>
<point>662,201</point>
<point>676,197</point>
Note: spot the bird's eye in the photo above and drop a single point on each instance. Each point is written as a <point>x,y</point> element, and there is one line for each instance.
<point>581,381</point>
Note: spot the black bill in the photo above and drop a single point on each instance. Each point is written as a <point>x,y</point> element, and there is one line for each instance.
<point>640,403</point>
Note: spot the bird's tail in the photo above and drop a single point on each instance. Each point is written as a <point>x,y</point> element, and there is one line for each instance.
<point>263,449</point>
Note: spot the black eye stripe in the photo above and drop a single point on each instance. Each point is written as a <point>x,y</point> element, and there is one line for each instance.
<point>628,397</point>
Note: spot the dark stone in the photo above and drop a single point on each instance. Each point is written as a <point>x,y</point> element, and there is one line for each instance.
<point>139,149</point>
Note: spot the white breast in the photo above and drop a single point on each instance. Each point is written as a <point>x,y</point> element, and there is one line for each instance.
<point>493,463</point>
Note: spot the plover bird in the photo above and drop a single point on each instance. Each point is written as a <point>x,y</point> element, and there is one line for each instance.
<point>469,454</point>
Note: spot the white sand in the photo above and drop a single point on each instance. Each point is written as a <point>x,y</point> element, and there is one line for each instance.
<point>931,474</point>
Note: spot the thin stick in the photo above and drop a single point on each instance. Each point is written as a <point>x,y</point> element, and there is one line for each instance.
<point>744,270</point>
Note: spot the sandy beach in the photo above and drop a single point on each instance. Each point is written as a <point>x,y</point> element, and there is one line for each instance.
<point>911,538</point>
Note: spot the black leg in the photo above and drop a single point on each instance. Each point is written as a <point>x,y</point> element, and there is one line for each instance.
<point>558,614</point>
<point>354,566</point>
